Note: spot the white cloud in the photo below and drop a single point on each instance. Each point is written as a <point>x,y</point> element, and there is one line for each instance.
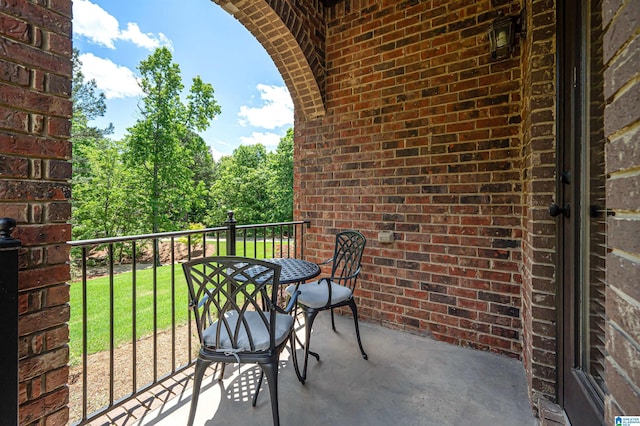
<point>93,22</point>
<point>148,41</point>
<point>277,110</point>
<point>97,25</point>
<point>217,155</point>
<point>114,80</point>
<point>269,140</point>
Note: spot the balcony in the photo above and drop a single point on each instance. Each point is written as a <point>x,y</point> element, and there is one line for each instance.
<point>146,379</point>
<point>408,380</point>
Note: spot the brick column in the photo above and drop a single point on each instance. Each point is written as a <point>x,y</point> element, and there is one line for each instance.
<point>539,240</point>
<point>35,168</point>
<point>621,21</point>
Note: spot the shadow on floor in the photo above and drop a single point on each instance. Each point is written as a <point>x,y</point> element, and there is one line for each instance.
<point>408,380</point>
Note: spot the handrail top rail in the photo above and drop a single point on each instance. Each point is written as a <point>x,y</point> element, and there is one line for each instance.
<point>264,225</point>
<point>80,243</point>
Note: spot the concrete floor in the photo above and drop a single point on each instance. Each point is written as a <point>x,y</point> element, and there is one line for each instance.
<point>408,380</point>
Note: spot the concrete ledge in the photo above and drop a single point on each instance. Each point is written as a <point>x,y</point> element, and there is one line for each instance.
<point>550,414</point>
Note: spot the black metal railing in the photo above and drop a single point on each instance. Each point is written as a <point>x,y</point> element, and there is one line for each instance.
<point>9,319</point>
<point>141,285</point>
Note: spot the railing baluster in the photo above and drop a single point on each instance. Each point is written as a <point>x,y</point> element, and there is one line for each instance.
<point>155,309</point>
<point>260,234</point>
<point>255,243</point>
<point>134,317</point>
<point>244,242</point>
<point>264,238</point>
<point>112,342</point>
<point>173,305</point>
<point>85,363</point>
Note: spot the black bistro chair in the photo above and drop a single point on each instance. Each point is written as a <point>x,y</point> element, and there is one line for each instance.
<point>330,292</point>
<point>233,299</point>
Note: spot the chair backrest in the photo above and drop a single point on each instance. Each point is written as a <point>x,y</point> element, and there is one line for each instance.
<point>347,256</point>
<point>229,295</point>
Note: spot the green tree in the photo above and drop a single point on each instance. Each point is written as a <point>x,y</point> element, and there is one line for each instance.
<point>203,179</point>
<point>160,146</point>
<point>87,142</point>
<point>88,104</point>
<point>256,185</point>
<point>280,186</point>
<point>105,205</point>
<point>241,185</point>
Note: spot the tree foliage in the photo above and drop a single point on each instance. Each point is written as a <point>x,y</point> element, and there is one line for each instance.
<point>256,185</point>
<point>160,146</point>
<point>105,205</point>
<point>96,167</point>
<point>162,175</point>
<point>280,166</point>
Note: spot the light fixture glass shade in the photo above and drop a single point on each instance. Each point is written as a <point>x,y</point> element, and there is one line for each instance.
<point>501,37</point>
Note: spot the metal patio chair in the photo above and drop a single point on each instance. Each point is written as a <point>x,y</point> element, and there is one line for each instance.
<point>330,292</point>
<point>234,302</point>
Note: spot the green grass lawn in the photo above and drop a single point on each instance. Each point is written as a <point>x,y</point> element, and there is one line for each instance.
<point>98,303</point>
<point>99,311</point>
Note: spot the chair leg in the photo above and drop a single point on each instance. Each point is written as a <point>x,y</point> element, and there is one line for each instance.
<point>255,395</point>
<point>309,317</point>
<point>333,323</point>
<point>220,369</point>
<point>271,371</point>
<point>201,367</point>
<point>354,309</point>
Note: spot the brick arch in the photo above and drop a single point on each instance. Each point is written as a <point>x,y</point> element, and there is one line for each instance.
<point>293,35</point>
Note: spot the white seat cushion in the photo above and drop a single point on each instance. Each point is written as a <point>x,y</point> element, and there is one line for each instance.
<point>315,295</point>
<point>259,331</point>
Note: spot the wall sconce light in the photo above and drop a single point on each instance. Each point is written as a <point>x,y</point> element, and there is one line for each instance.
<point>502,34</point>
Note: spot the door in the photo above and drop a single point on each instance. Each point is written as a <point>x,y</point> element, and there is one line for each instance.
<point>580,212</point>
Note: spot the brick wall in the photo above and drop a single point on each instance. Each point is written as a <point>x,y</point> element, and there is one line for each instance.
<point>621,22</point>
<point>539,229</point>
<point>422,137</point>
<point>35,85</point>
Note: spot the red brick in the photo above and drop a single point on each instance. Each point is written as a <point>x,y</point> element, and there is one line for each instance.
<point>14,167</point>
<point>42,363</point>
<point>19,190</point>
<point>40,16</point>
<point>14,73</point>
<point>59,127</point>
<point>14,120</point>
<point>42,234</point>
<point>14,28</point>
<point>56,379</point>
<point>17,211</point>
<point>57,337</point>
<point>60,417</point>
<point>39,408</point>
<point>621,390</point>
<point>36,102</point>
<point>42,319</point>
<point>623,313</point>
<point>60,44</point>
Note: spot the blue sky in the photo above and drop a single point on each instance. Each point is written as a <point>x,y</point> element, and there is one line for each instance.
<point>113,36</point>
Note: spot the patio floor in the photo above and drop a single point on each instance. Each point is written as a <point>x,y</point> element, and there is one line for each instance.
<point>408,380</point>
